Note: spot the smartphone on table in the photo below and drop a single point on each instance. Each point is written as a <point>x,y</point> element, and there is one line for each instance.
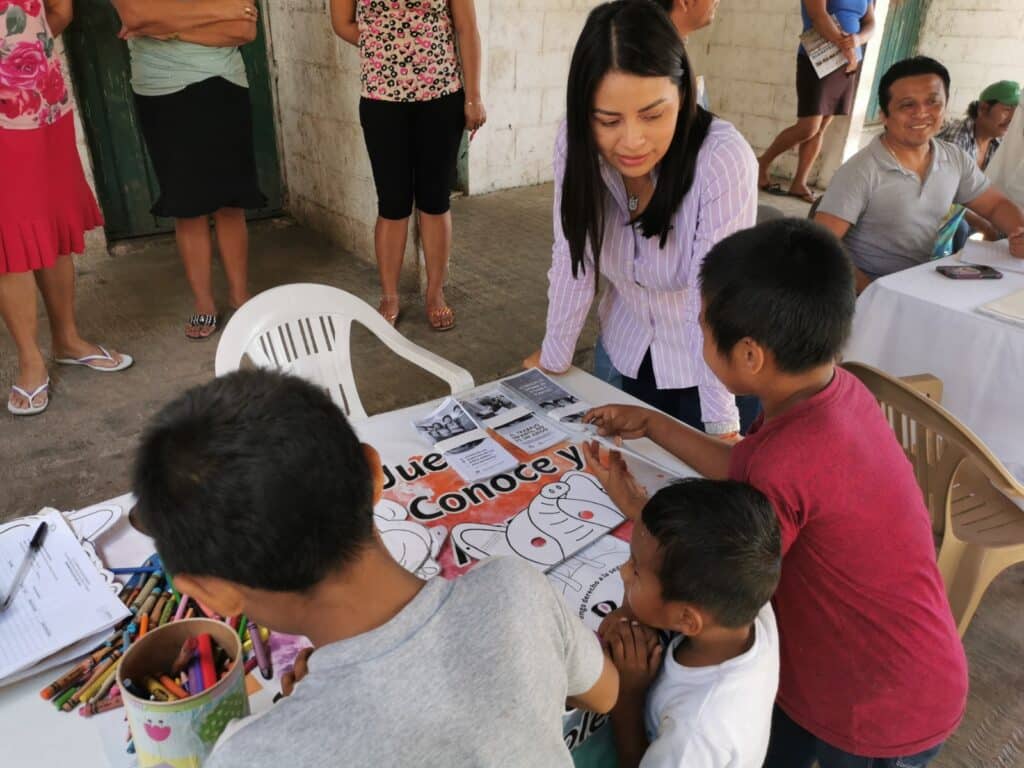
<point>969,272</point>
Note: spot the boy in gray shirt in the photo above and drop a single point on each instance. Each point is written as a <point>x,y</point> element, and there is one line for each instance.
<point>259,498</point>
<point>888,201</point>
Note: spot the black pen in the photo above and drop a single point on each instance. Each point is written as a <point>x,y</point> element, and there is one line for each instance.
<point>33,546</point>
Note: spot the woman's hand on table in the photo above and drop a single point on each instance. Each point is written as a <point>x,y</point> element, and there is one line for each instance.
<point>533,361</point>
<point>611,471</point>
<point>622,421</point>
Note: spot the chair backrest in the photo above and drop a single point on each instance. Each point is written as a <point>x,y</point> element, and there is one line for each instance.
<point>936,442</point>
<point>305,328</point>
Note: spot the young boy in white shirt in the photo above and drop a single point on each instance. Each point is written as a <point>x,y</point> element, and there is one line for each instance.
<point>705,560</point>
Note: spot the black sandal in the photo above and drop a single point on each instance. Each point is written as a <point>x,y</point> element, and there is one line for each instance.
<point>205,324</point>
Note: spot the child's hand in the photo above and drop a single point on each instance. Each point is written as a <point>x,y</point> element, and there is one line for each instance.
<point>636,652</point>
<point>625,421</point>
<point>612,623</point>
<point>299,671</point>
<point>611,471</point>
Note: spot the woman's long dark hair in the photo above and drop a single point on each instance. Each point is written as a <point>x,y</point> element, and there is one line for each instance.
<point>635,37</point>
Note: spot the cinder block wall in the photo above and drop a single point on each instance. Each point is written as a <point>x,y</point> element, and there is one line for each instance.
<point>327,172</point>
<point>980,41</point>
<point>527,46</point>
<point>748,59</point>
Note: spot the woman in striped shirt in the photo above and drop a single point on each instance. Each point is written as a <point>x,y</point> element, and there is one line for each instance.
<point>646,182</point>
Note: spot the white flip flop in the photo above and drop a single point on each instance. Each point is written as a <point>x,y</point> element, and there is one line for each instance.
<point>31,410</point>
<point>87,361</point>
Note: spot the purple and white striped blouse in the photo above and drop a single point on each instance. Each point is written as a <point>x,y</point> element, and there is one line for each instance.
<point>651,297</point>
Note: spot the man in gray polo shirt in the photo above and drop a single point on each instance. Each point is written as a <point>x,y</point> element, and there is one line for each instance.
<point>877,202</point>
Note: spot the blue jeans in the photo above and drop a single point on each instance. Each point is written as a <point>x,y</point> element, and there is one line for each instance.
<point>791,746</point>
<point>603,368</point>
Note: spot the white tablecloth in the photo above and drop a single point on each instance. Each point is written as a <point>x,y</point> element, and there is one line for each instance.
<point>33,734</point>
<point>918,321</point>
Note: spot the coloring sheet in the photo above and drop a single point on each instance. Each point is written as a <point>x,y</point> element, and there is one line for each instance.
<point>589,581</point>
<point>414,546</point>
<point>564,517</point>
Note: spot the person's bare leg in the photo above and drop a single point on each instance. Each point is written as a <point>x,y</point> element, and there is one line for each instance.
<point>196,249</point>
<point>233,244</point>
<point>57,284</point>
<point>803,129</point>
<point>436,236</point>
<point>809,152</point>
<point>389,238</point>
<point>18,310</point>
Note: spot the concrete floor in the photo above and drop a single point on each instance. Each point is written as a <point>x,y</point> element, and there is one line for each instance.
<point>79,451</point>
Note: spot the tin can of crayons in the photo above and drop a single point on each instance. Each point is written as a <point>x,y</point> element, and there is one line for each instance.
<point>180,731</point>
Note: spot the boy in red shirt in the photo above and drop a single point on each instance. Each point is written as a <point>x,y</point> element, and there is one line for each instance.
<point>873,674</point>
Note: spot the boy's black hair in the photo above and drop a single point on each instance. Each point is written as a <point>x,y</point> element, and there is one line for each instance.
<point>785,283</point>
<point>720,547</point>
<point>912,67</point>
<point>256,478</point>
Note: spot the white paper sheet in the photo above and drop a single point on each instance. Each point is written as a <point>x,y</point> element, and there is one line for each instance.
<point>990,254</point>
<point>469,450</point>
<point>517,424</point>
<point>1009,308</point>
<point>65,597</point>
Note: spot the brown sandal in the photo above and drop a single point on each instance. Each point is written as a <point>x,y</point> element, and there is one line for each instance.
<point>390,317</point>
<point>441,318</point>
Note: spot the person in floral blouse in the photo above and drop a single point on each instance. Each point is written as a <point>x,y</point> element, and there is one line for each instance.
<point>46,205</point>
<point>418,95</point>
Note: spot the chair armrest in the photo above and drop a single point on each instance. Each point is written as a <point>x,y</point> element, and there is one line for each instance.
<point>927,384</point>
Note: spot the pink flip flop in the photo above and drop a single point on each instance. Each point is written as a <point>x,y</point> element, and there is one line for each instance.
<point>89,361</point>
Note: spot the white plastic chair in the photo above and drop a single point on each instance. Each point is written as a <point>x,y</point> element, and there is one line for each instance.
<point>304,329</point>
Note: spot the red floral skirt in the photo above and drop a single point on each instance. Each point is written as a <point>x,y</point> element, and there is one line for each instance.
<point>46,205</point>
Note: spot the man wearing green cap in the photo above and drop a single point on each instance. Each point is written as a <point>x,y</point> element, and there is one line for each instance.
<point>978,134</point>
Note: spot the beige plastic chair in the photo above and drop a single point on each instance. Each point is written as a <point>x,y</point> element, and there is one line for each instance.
<point>303,329</point>
<point>968,490</point>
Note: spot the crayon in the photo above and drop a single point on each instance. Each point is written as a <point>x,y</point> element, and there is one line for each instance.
<point>64,697</point>
<point>172,686</point>
<point>182,607</point>
<point>147,588</point>
<point>129,595</point>
<point>95,682</point>
<point>243,627</point>
<point>143,625</point>
<point>206,610</point>
<point>205,644</point>
<point>104,689</point>
<point>263,657</point>
<point>149,602</point>
<point>184,657</point>
<point>233,622</point>
<point>250,664</point>
<point>126,639</point>
<point>107,704</point>
<point>190,613</point>
<point>76,675</point>
<point>158,691</point>
<point>97,674</point>
<point>165,615</point>
<point>134,571</point>
<point>195,677</point>
<point>158,609</point>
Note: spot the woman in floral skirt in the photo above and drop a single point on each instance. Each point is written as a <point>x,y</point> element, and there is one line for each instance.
<point>46,205</point>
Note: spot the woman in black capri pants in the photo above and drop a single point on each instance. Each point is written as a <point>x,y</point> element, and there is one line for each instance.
<point>417,97</point>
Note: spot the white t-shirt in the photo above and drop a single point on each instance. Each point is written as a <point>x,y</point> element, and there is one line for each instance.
<point>715,717</point>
